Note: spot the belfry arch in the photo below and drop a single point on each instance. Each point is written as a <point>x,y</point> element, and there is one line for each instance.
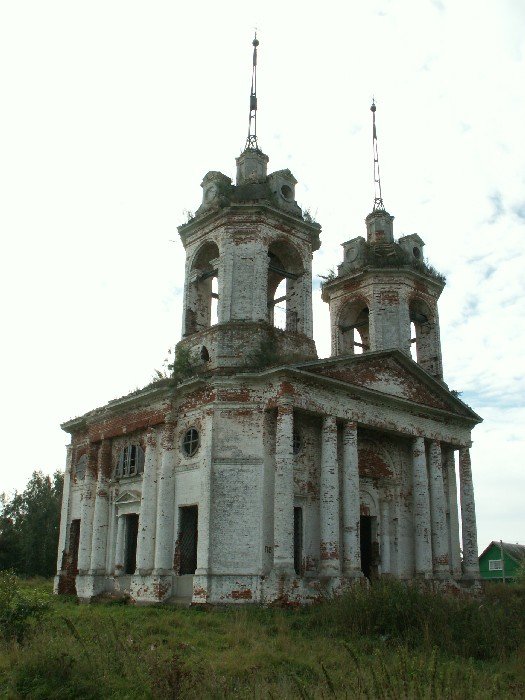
<point>200,291</point>
<point>353,328</point>
<point>285,286</point>
<point>425,338</point>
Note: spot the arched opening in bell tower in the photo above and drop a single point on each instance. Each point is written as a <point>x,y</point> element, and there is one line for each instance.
<point>285,296</point>
<point>423,341</point>
<point>202,295</point>
<point>354,328</point>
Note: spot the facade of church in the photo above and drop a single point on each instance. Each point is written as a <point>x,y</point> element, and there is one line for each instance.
<point>261,473</point>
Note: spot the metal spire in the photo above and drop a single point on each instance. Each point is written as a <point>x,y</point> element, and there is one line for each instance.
<point>251,141</point>
<point>378,197</point>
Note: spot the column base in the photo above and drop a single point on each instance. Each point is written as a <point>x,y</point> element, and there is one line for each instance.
<point>151,588</point>
<point>88,586</point>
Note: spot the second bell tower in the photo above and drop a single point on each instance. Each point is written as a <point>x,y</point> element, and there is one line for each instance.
<point>385,295</point>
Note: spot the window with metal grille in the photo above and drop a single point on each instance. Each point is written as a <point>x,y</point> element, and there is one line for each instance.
<point>495,565</point>
<point>190,444</point>
<point>188,536</point>
<point>80,468</point>
<point>130,461</point>
<point>298,540</point>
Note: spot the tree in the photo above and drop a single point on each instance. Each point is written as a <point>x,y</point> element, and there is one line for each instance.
<point>29,525</point>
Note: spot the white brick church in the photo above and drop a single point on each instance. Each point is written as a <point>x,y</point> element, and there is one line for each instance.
<point>262,473</point>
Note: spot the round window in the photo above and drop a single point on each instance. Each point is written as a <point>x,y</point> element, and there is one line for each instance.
<point>190,444</point>
<point>287,193</point>
<point>297,442</point>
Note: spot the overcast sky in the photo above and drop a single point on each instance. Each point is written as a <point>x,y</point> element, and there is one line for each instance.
<point>113,111</point>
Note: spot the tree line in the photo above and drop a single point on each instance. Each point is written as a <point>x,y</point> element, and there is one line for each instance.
<point>29,526</point>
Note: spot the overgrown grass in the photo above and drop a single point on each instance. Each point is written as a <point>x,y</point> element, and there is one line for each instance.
<point>390,642</point>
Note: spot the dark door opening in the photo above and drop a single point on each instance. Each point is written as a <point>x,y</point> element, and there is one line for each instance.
<point>298,540</point>
<point>74,544</point>
<point>365,532</point>
<point>188,536</point>
<point>130,554</point>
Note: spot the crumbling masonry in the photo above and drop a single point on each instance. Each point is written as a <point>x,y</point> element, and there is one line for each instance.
<point>265,473</point>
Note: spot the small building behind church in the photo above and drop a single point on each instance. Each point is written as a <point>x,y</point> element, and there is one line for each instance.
<point>260,472</point>
<point>502,562</point>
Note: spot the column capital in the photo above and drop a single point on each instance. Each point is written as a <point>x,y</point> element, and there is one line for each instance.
<point>151,437</point>
<point>329,422</point>
<point>168,435</point>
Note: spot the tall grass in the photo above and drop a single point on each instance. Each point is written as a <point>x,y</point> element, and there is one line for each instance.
<point>389,642</point>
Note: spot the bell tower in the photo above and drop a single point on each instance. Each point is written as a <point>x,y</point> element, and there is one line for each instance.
<point>385,294</point>
<point>249,257</point>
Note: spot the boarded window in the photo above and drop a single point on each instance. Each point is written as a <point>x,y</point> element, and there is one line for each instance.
<point>80,468</point>
<point>130,551</point>
<point>298,540</point>
<point>130,461</point>
<point>188,535</point>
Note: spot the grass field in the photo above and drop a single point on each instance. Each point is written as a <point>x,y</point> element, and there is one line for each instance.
<point>387,643</point>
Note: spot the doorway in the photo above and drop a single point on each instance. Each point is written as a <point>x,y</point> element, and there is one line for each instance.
<point>298,541</point>
<point>365,534</point>
<point>188,537</point>
<point>130,553</point>
<point>74,543</point>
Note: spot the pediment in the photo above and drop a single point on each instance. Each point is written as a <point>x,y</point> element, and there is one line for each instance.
<point>128,497</point>
<point>392,374</point>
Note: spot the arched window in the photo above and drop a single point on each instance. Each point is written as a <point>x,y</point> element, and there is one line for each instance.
<point>201,309</point>
<point>353,329</point>
<point>285,270</point>
<point>80,468</point>
<point>421,333</point>
<point>130,461</point>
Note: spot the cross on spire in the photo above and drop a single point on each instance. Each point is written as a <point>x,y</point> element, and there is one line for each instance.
<point>251,141</point>
<point>378,197</point>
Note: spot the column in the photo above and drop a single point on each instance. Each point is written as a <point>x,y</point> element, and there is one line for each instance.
<point>119,546</point>
<point>165,502</point>
<point>87,509</point>
<point>64,513</point>
<point>421,505</point>
<point>454,551</point>
<point>438,512</point>
<point>385,536</point>
<point>350,503</point>
<point>101,511</point>
<point>283,529</point>
<point>329,500</point>
<point>468,516</point>
<point>205,486</point>
<point>148,507</point>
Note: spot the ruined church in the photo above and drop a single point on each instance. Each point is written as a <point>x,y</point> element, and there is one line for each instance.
<point>258,472</point>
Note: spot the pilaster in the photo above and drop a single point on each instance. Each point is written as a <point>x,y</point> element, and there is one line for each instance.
<point>148,507</point>
<point>329,501</point>
<point>284,491</point>
<point>101,511</point>
<point>468,516</point>
<point>421,506</point>
<point>438,512</point>
<point>350,503</point>
<point>454,550</point>
<point>165,503</point>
